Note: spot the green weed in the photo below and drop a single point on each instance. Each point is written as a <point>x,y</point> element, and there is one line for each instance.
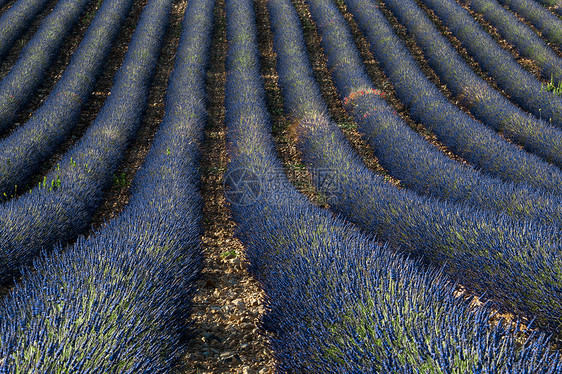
<point>551,86</point>
<point>120,180</point>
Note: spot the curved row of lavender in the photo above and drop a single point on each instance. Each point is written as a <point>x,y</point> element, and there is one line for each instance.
<point>524,89</point>
<point>25,150</point>
<point>336,301</point>
<point>480,249</point>
<point>62,206</point>
<point>25,76</point>
<point>16,20</point>
<point>486,104</point>
<point>119,301</point>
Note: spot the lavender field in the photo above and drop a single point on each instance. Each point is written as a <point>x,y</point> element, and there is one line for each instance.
<point>288,186</point>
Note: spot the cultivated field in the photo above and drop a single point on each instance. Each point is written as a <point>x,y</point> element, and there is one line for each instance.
<point>293,186</point>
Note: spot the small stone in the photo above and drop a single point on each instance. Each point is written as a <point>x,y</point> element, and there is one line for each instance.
<point>239,304</point>
<point>214,337</point>
<point>211,338</point>
<point>244,346</point>
<point>248,370</point>
<point>235,261</point>
<point>230,357</point>
<point>214,343</point>
<point>210,283</point>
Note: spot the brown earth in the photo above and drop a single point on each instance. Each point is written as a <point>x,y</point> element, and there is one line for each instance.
<point>229,302</point>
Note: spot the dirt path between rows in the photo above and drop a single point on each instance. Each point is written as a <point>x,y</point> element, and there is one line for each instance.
<point>229,302</point>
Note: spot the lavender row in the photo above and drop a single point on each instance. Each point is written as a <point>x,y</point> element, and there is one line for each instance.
<point>481,249</point>
<point>404,153</point>
<point>527,42</point>
<point>23,152</point>
<point>337,301</point>
<point>18,87</point>
<point>555,4</point>
<point>119,301</point>
<point>464,136</point>
<point>488,105</point>
<point>548,24</point>
<point>16,20</point>
<point>523,88</point>
<point>62,206</point>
